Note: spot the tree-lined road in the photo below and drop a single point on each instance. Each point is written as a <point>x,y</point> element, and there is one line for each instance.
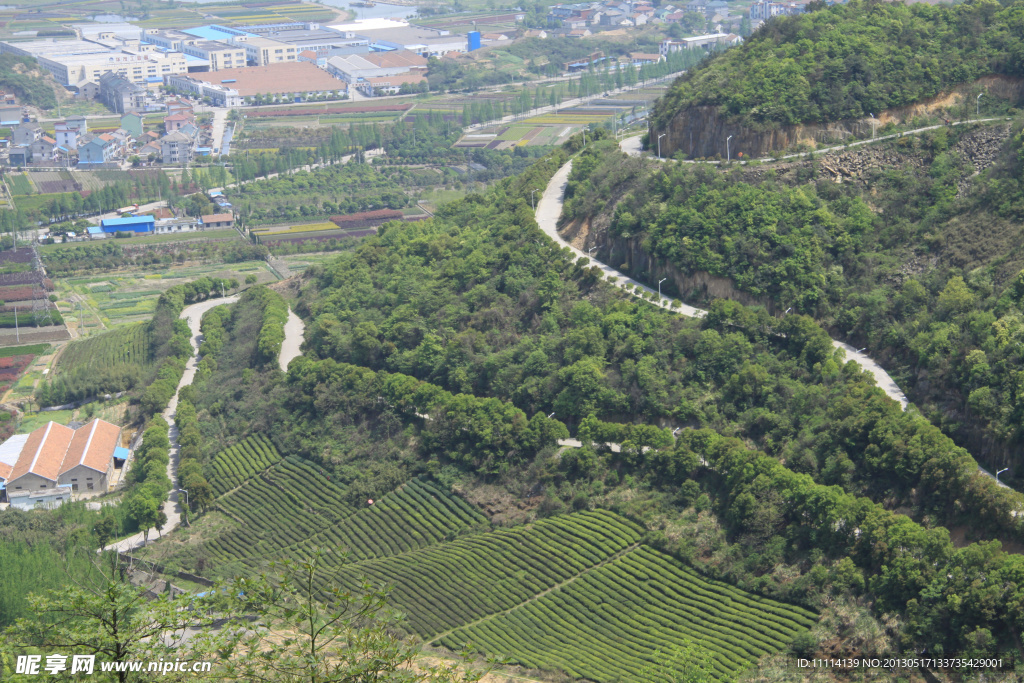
<point>193,315</point>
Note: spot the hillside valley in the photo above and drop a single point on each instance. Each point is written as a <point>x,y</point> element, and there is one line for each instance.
<point>738,422</point>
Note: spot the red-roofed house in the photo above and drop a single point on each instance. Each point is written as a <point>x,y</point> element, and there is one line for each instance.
<point>218,220</point>
<point>58,457</point>
<point>176,121</point>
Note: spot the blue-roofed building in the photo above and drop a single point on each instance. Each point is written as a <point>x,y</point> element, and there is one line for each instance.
<point>95,232</point>
<point>214,32</point>
<point>137,224</point>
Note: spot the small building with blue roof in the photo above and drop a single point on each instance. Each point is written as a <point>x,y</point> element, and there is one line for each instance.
<point>137,224</point>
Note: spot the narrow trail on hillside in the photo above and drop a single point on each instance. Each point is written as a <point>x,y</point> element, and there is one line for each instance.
<point>193,315</point>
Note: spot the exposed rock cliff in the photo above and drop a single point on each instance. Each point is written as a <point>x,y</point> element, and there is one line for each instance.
<point>701,132</point>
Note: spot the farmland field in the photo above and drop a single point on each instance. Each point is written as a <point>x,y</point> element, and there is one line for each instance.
<point>237,464</point>
<point>579,592</point>
<point>615,621</point>
<point>414,516</point>
<point>125,346</point>
<point>223,234</point>
<point>20,184</point>
<point>285,229</point>
<point>130,296</point>
<point>286,505</point>
<point>446,586</point>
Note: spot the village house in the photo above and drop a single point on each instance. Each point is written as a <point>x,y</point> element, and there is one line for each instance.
<point>53,463</point>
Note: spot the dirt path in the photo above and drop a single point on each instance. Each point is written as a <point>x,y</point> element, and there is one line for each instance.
<point>193,315</point>
<point>294,330</point>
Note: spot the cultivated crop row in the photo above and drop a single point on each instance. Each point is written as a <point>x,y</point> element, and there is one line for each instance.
<point>128,345</point>
<point>236,464</point>
<point>414,516</point>
<point>284,506</point>
<point>448,585</point>
<point>625,620</point>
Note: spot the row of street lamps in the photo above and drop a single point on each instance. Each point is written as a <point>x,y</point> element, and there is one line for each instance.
<point>728,150</point>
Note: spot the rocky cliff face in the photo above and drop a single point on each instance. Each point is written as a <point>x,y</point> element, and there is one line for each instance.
<point>701,132</point>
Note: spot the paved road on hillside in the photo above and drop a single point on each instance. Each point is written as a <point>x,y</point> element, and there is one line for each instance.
<point>632,145</point>
<point>294,330</point>
<point>549,209</point>
<point>193,315</point>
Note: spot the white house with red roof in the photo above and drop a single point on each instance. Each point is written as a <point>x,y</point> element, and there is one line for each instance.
<point>58,460</point>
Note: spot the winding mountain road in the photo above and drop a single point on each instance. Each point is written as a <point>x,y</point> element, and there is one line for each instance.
<point>193,315</point>
<point>549,209</point>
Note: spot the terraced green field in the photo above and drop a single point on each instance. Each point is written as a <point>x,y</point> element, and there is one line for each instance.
<point>622,621</point>
<point>284,506</point>
<point>578,593</point>
<point>414,516</point>
<point>236,464</point>
<point>447,586</point>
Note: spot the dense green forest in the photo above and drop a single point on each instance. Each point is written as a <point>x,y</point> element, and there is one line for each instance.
<point>783,479</point>
<point>896,262</point>
<point>852,59</point>
<point>48,549</point>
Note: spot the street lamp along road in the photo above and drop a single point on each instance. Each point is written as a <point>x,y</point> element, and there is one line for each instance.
<point>185,491</point>
<point>977,105</point>
<point>531,200</point>
<point>728,152</point>
<point>659,286</point>
<point>1000,472</point>
<point>659,143</point>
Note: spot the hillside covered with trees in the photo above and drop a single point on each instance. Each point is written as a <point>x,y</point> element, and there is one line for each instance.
<point>917,259</point>
<point>749,449</point>
<point>850,60</point>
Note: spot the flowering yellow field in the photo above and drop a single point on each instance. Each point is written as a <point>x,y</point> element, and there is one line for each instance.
<point>282,229</point>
